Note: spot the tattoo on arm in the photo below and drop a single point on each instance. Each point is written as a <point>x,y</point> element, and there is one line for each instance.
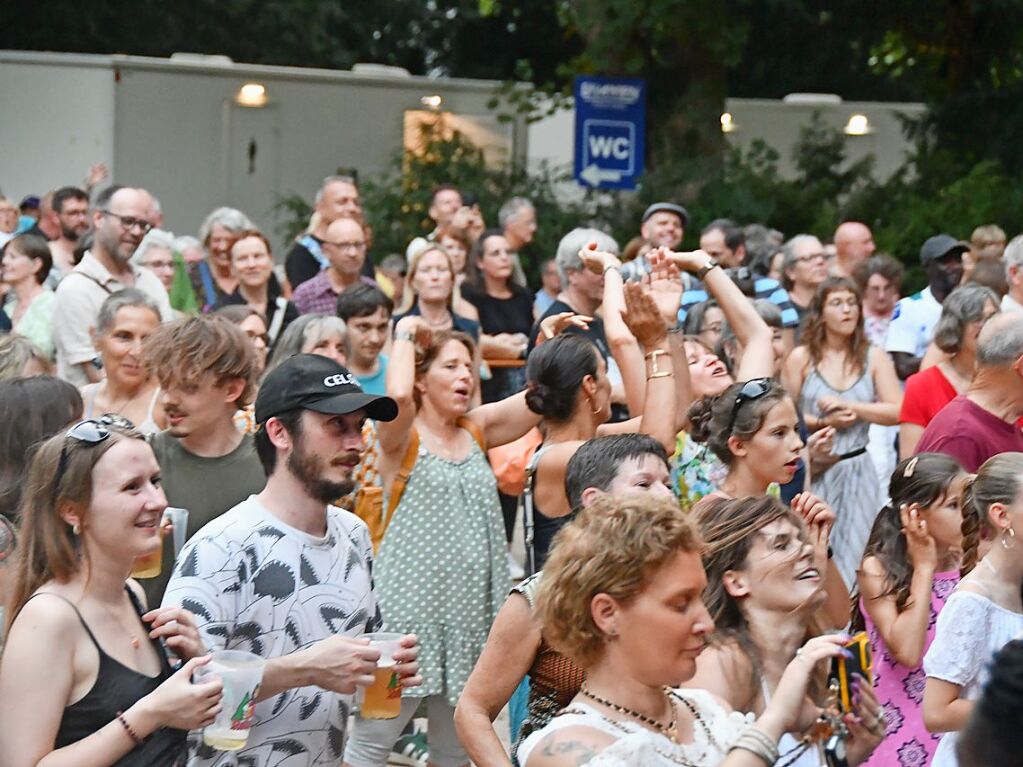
<point>570,749</point>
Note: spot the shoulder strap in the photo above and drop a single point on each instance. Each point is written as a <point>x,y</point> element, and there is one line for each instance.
<point>207,283</point>
<point>73,607</point>
<point>464,422</point>
<point>528,523</point>
<point>278,321</point>
<point>310,244</point>
<point>402,477</point>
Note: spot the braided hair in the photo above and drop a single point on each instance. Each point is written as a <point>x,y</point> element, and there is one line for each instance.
<point>997,481</point>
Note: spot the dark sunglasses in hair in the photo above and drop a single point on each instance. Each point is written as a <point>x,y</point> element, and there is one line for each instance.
<point>91,431</point>
<point>753,389</point>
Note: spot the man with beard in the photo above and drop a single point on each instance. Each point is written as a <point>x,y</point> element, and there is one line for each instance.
<point>288,576</point>
<point>71,207</point>
<point>912,325</point>
<point>207,370</point>
<point>120,220</point>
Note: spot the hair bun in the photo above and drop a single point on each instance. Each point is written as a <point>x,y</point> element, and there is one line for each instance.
<point>699,416</point>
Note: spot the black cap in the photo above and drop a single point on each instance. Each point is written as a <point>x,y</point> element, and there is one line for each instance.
<point>314,382</point>
<point>939,246</point>
<point>669,207</point>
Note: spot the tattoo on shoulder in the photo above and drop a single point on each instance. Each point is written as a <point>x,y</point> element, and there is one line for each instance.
<point>570,749</point>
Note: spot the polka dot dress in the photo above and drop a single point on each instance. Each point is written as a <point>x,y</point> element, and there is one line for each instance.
<point>442,569</point>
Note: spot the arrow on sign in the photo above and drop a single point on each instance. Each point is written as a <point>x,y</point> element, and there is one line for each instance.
<point>593,175</point>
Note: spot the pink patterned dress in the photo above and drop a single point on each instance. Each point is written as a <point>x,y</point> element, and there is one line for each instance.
<point>901,691</point>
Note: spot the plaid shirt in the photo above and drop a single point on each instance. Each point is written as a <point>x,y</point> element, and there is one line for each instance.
<point>317,295</point>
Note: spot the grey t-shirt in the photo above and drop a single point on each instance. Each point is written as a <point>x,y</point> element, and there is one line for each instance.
<point>207,487</point>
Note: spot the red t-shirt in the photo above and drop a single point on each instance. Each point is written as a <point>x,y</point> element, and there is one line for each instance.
<point>927,392</point>
<point>970,434</point>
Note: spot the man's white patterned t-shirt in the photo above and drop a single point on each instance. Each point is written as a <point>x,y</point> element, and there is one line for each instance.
<point>254,583</point>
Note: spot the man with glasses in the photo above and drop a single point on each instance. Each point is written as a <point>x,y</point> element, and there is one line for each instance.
<point>912,325</point>
<point>71,207</point>
<point>344,245</point>
<point>804,267</point>
<point>119,221</point>
<point>338,198</point>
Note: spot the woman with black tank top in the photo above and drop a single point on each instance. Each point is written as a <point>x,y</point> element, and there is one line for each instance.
<point>85,678</point>
<point>568,386</point>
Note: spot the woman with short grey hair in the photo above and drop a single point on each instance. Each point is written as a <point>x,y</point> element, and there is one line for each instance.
<point>212,278</point>
<point>962,316</point>
<point>156,253</point>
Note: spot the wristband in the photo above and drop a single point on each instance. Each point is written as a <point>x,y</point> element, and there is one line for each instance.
<point>405,335</point>
<point>128,729</point>
<point>702,271</point>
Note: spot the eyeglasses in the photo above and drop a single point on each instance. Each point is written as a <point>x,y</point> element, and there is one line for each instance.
<point>90,432</point>
<point>751,390</point>
<point>346,245</point>
<point>129,223</point>
<point>811,257</point>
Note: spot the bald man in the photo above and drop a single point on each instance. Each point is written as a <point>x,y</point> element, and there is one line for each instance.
<point>854,244</point>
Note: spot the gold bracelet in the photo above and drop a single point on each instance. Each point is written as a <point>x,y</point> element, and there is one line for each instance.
<point>660,374</point>
<point>653,356</point>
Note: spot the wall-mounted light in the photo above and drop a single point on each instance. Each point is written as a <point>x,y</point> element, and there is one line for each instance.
<point>251,95</point>
<point>858,125</point>
<point>433,102</point>
<point>727,123</point>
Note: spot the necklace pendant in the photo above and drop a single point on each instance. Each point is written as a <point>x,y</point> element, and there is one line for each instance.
<point>135,643</point>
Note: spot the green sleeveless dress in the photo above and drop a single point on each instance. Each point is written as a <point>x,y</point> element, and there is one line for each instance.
<point>442,569</point>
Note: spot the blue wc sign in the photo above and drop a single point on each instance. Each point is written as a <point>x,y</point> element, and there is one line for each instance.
<point>610,131</point>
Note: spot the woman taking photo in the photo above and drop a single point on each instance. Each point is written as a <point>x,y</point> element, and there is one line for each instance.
<point>841,381</point>
<point>24,268</point>
<point>963,314</point>
<point>430,283</point>
<point>126,319</point>
<point>622,597</point>
<point>85,679</point>
<point>252,266</point>
<point>505,313</point>
<point>448,512</point>
<point>765,593</point>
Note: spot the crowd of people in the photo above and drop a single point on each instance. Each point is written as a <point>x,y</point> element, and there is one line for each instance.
<point>646,504</point>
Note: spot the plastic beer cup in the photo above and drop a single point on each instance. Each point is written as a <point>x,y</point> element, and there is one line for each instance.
<point>382,699</point>
<point>241,673</point>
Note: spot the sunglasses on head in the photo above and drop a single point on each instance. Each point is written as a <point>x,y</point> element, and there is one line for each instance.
<point>90,432</point>
<point>751,390</point>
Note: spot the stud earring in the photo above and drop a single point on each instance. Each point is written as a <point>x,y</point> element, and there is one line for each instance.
<point>76,529</point>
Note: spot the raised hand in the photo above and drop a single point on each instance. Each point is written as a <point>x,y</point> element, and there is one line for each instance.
<point>920,546</point>
<point>597,260</point>
<point>666,291</point>
<point>642,315</point>
<point>558,323</point>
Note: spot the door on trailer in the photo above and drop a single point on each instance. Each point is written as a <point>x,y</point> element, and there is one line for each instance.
<point>251,156</point>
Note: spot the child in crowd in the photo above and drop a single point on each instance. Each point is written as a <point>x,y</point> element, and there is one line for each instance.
<point>984,611</point>
<point>910,566</point>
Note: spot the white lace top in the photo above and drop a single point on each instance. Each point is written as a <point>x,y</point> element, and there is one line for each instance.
<point>970,629</point>
<point>636,746</point>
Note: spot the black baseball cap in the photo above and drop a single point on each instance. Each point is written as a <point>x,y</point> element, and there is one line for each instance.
<point>668,207</point>
<point>939,246</point>
<point>314,382</point>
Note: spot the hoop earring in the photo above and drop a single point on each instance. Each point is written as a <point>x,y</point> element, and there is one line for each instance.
<point>76,529</point>
<point>592,410</point>
<point>1010,536</point>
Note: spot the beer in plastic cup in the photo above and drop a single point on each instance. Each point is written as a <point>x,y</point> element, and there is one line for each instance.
<point>241,673</point>
<point>382,699</point>
<point>150,565</point>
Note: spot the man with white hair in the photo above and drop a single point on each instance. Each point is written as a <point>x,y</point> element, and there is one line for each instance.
<point>338,197</point>
<point>582,291</point>
<point>1013,259</point>
<point>983,422</point>
<point>120,220</point>
<point>517,217</point>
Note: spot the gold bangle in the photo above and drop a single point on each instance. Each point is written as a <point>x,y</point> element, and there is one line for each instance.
<point>653,356</point>
<point>660,374</point>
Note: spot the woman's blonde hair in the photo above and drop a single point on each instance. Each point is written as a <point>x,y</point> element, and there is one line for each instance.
<point>613,547</point>
<point>998,480</point>
<point>411,296</point>
<point>60,474</point>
